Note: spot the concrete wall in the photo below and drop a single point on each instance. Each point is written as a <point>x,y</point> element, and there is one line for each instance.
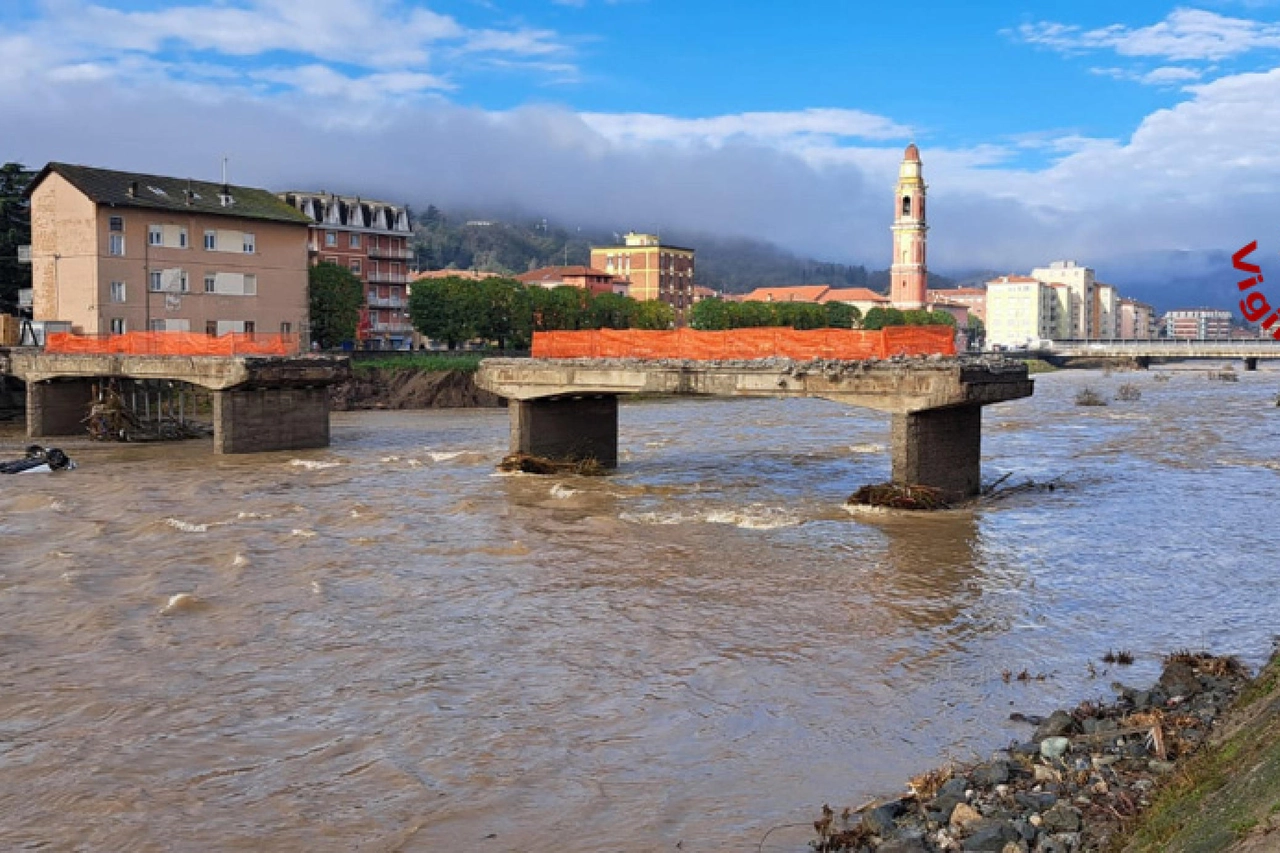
<point>940,448</point>
<point>58,407</point>
<point>258,420</point>
<point>567,428</point>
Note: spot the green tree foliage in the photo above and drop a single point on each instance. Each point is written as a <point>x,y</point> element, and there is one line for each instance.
<point>716,314</point>
<point>559,308</point>
<point>654,314</point>
<point>15,231</point>
<point>610,311</point>
<point>977,329</point>
<point>504,312</point>
<point>334,296</point>
<point>446,309</point>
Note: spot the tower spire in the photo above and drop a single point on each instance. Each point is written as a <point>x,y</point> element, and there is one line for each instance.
<point>908,273</point>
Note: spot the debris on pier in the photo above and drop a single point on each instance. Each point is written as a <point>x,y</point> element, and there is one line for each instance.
<point>525,463</point>
<point>896,496</point>
<point>117,415</point>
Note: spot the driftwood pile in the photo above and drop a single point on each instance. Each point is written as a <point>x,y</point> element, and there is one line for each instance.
<point>894,496</point>
<point>112,417</point>
<point>525,463</point>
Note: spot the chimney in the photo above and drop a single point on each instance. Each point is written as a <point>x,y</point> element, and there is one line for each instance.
<point>133,189</point>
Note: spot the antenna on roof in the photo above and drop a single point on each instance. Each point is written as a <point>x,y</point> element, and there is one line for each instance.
<point>224,170</point>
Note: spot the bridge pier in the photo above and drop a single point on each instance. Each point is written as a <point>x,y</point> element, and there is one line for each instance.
<point>941,448</point>
<point>58,407</point>
<point>259,420</point>
<point>567,428</point>
<point>1251,364</point>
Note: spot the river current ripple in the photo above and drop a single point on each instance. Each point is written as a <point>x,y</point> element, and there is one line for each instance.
<point>387,646</point>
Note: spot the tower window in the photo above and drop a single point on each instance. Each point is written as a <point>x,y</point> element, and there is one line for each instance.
<point>906,205</point>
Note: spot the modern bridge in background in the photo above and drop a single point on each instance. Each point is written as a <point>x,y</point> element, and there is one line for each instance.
<point>1249,351</point>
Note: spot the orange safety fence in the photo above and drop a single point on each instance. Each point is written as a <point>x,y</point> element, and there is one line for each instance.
<point>747,344</point>
<point>173,343</point>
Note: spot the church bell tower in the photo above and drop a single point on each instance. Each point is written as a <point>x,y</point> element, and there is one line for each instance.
<point>907,273</point>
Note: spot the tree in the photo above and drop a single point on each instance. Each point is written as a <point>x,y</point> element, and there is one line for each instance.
<point>977,329</point>
<point>446,309</point>
<point>841,315</point>
<point>610,311</point>
<point>335,296</point>
<point>711,315</point>
<point>654,314</point>
<point>558,309</point>
<point>15,231</point>
<point>505,311</point>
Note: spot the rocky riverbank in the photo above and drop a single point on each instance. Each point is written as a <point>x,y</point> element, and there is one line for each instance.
<point>1094,778</point>
<point>408,388</point>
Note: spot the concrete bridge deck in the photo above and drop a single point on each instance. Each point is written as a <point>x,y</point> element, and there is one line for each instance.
<point>260,403</point>
<point>567,408</point>
<point>1248,350</point>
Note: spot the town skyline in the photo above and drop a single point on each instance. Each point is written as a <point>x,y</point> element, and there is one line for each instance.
<point>1101,138</point>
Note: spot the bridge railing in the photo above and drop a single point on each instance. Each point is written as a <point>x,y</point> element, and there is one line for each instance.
<point>747,344</point>
<point>173,343</point>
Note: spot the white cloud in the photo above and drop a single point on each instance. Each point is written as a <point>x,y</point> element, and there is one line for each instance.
<point>1166,75</point>
<point>1185,35</point>
<point>648,128</point>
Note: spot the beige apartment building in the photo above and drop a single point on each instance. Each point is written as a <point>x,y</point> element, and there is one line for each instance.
<point>1021,311</point>
<point>116,252</point>
<point>1080,282</point>
<point>1106,313</point>
<point>1137,320</point>
<point>652,270</point>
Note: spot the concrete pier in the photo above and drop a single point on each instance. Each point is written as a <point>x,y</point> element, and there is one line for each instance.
<point>572,428</point>
<point>260,420</point>
<point>559,408</point>
<point>58,407</point>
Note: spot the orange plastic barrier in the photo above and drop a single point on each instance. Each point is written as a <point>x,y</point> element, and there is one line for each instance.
<point>747,344</point>
<point>172,343</point>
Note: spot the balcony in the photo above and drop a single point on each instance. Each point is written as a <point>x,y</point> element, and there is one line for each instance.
<point>403,327</point>
<point>387,302</point>
<point>393,254</point>
<point>380,277</point>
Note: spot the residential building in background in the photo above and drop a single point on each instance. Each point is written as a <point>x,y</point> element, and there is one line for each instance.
<point>1105,316</point>
<point>585,278</point>
<point>908,273</point>
<point>1137,320</point>
<point>973,298</point>
<point>370,238</point>
<point>1200,324</point>
<point>116,252</point>
<point>652,270</point>
<point>861,298</point>
<point>1021,311</point>
<point>1080,282</point>
<point>791,293</point>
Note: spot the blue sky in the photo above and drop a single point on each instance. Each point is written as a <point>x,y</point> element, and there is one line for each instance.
<point>1097,131</point>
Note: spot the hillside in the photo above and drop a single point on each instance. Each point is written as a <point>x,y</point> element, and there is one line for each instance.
<point>512,244</point>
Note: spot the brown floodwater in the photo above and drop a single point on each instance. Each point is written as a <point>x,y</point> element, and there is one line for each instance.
<point>385,646</point>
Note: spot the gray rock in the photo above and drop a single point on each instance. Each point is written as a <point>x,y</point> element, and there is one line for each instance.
<point>1054,747</point>
<point>989,775</point>
<point>956,785</point>
<point>880,820</point>
<point>1179,679</point>
<point>1052,845</point>
<point>1061,818</point>
<point>943,805</point>
<point>1026,830</point>
<point>903,845</point>
<point>1036,801</point>
<point>990,836</point>
<point>1059,723</point>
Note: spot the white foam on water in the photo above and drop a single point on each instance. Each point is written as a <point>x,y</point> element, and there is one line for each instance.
<point>188,526</point>
<point>180,602</point>
<point>443,455</point>
<point>240,560</point>
<point>561,491</point>
<point>305,534</point>
<point>754,517</point>
<point>413,463</point>
<point>246,516</point>
<point>658,518</point>
<point>313,464</point>
<point>390,459</point>
<point>866,448</point>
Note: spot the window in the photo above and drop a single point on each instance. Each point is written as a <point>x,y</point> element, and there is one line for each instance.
<point>157,281</point>
<point>906,205</point>
<point>286,328</point>
<point>157,325</point>
<point>117,291</point>
<point>330,239</point>
<point>211,282</point>
<point>249,327</point>
<point>211,241</point>
<point>116,246</point>
<point>117,325</point>
<point>155,235</point>
<point>116,224</point>
<point>184,282</point>
<point>355,266</point>
<point>211,328</point>
<point>250,285</point>
<point>182,238</point>
<point>355,241</point>
<point>249,243</point>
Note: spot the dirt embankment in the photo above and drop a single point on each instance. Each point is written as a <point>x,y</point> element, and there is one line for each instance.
<point>381,388</point>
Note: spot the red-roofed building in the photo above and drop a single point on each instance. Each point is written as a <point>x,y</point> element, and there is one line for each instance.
<point>973,298</point>
<point>862,298</point>
<point>586,278</point>
<point>798,293</point>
